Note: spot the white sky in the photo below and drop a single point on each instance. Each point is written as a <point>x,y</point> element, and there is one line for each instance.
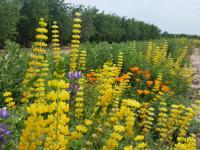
<point>174,16</point>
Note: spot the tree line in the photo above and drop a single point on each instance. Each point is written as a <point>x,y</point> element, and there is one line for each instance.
<point>19,18</point>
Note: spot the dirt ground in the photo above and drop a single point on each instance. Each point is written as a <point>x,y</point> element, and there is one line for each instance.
<point>195,60</point>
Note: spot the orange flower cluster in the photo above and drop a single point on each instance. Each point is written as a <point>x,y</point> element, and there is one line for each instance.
<point>91,77</point>
<point>136,70</point>
<point>122,78</point>
<point>149,83</point>
<point>143,84</point>
<point>165,88</point>
<point>145,92</point>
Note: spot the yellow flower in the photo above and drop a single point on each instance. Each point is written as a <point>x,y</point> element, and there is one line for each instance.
<point>63,95</point>
<point>131,103</point>
<point>88,122</point>
<point>119,128</point>
<point>116,136</point>
<point>139,138</point>
<point>128,147</point>
<point>41,30</point>
<point>81,128</point>
<point>142,145</point>
<point>9,99</point>
<point>77,14</point>
<point>52,96</point>
<point>6,94</point>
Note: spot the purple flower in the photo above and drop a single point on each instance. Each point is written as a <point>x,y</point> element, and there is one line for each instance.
<point>3,132</point>
<point>70,75</point>
<point>77,74</point>
<point>4,113</point>
<point>74,75</point>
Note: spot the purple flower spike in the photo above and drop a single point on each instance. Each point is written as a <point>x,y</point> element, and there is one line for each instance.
<point>75,75</point>
<point>3,132</point>
<point>70,75</point>
<point>4,113</point>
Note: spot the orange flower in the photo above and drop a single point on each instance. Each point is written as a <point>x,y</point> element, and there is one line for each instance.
<point>146,92</point>
<point>139,72</point>
<point>149,83</point>
<point>91,76</point>
<point>119,79</point>
<point>125,76</point>
<point>165,89</point>
<point>147,75</point>
<point>134,69</point>
<point>137,80</point>
<point>92,79</point>
<point>139,92</point>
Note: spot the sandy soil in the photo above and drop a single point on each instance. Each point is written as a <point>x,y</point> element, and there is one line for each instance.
<point>195,59</point>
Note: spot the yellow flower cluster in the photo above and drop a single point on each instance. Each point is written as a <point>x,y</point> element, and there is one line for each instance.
<point>120,60</point>
<point>79,100</point>
<point>38,66</point>
<point>31,136</point>
<point>162,121</point>
<point>187,72</point>
<point>55,42</point>
<point>119,89</point>
<point>106,79</point>
<point>57,121</point>
<point>184,121</point>
<point>82,60</point>
<point>126,113</point>
<point>48,119</point>
<point>140,144</point>
<point>158,81</point>
<point>78,133</point>
<point>173,120</point>
<point>9,100</point>
<point>188,143</point>
<point>157,56</point>
<point>75,42</point>
<point>146,114</point>
<point>130,119</point>
<point>114,138</point>
<point>148,53</point>
<point>177,64</point>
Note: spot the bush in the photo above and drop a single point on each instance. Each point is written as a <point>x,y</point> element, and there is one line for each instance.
<point>13,64</point>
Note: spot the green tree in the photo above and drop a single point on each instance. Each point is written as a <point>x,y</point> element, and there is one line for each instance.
<point>9,15</point>
<point>61,12</point>
<point>88,28</point>
<point>30,12</point>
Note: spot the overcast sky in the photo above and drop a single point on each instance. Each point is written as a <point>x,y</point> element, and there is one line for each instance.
<point>174,16</point>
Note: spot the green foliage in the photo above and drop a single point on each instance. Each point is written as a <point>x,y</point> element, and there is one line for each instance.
<point>96,26</point>
<point>9,15</point>
<point>135,55</point>
<point>16,125</point>
<point>13,66</point>
<point>30,12</point>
